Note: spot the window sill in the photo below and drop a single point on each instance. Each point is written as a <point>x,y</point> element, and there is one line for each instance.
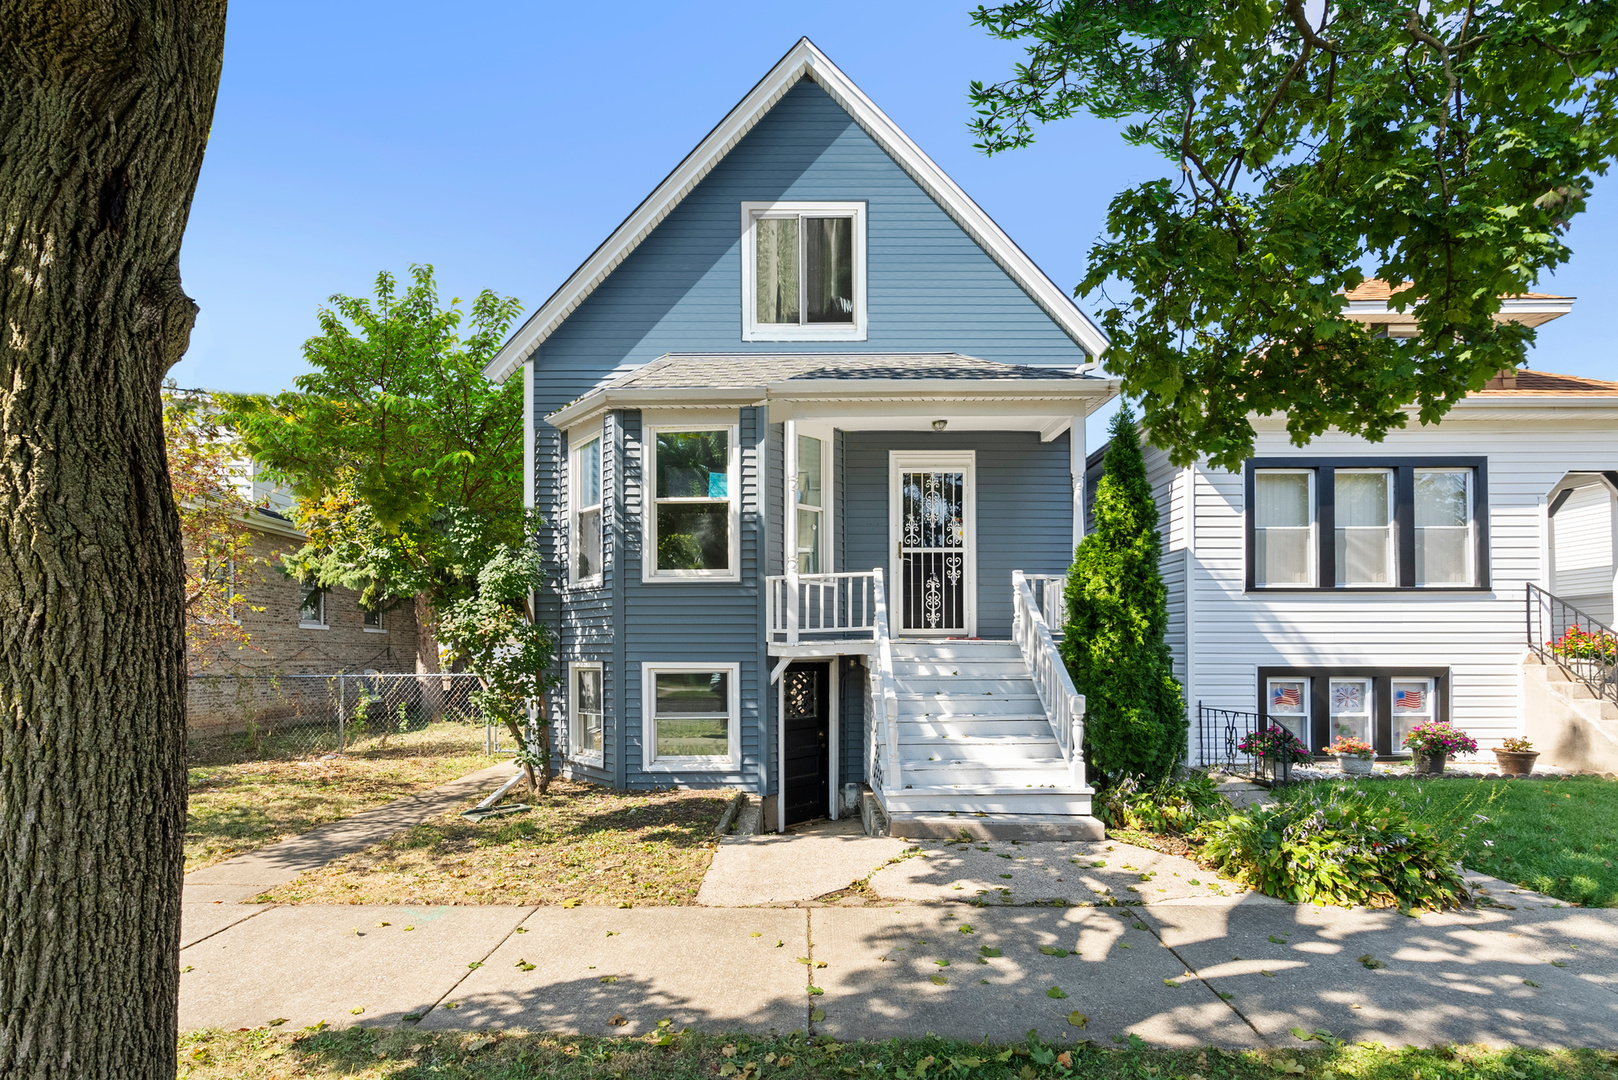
<point>671,765</point>
<point>587,583</point>
<point>374,629</point>
<point>667,577</point>
<point>806,333</point>
<point>594,761</point>
<point>1366,590</point>
<point>313,626</point>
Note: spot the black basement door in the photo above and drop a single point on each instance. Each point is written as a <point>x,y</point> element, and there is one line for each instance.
<point>808,734</point>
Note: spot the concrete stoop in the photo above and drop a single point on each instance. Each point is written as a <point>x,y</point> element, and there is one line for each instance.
<point>1021,827</point>
<point>1570,727</point>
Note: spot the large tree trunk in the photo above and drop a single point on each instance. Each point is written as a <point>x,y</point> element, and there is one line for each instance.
<point>104,114</point>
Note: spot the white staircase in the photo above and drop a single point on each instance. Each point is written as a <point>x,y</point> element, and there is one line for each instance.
<point>976,749</point>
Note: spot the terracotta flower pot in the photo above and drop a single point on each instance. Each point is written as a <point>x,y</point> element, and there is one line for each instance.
<point>1354,765</point>
<point>1430,764</point>
<point>1516,763</point>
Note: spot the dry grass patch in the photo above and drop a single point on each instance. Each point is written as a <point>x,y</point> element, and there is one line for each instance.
<point>580,844</point>
<point>239,805</point>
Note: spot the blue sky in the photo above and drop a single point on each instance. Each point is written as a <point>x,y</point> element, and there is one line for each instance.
<point>502,142</point>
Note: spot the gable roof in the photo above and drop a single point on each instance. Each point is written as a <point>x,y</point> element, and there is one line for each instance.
<point>1525,383</point>
<point>802,61</point>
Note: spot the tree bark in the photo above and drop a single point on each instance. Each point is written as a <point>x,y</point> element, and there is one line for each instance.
<point>104,114</point>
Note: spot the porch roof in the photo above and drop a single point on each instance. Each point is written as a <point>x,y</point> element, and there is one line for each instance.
<point>888,384</point>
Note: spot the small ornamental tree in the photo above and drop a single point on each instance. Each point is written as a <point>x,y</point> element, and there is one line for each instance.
<point>494,631</point>
<point>1117,612</point>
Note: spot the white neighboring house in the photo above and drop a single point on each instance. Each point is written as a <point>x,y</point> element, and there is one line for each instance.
<point>1352,587</point>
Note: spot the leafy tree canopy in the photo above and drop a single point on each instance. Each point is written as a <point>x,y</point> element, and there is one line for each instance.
<point>1448,144</point>
<point>406,461</point>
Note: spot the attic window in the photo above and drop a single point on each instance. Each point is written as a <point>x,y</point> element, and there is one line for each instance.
<point>803,271</point>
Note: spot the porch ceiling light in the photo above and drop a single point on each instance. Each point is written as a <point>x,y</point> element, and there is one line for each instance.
<point>940,425</point>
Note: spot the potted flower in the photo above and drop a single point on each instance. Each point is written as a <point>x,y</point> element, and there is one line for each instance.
<point>1276,749</point>
<point>1353,755</point>
<point>1516,755</point>
<point>1434,741</point>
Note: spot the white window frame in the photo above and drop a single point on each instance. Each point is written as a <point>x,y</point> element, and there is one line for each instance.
<point>648,703</point>
<point>303,603</point>
<point>380,627</point>
<point>1306,702</point>
<point>575,727</point>
<point>752,329</point>
<point>1430,709</point>
<point>828,556</point>
<point>1314,530</point>
<point>1391,529</point>
<point>1368,689</point>
<point>576,441</point>
<point>649,501</point>
<point>1471,546</point>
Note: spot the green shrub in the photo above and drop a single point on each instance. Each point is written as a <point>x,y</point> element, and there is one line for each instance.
<point>1172,806</point>
<point>1117,613</point>
<point>1337,848</point>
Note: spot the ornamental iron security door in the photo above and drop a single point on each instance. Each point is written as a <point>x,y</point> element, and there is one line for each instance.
<point>935,560</point>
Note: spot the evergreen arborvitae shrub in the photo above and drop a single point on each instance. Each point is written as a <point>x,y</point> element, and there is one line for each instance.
<point>1117,612</point>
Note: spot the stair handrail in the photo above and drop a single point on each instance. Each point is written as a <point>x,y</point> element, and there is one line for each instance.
<point>1583,646</point>
<point>884,692</point>
<point>1064,705</point>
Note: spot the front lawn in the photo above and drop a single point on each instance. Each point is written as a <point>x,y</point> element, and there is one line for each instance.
<point>392,1054</point>
<point>243,797</point>
<point>1557,837</point>
<point>580,844</point>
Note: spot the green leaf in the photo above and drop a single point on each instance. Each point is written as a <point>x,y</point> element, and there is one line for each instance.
<point>818,1015</point>
<point>1051,950</point>
<point>988,951</point>
<point>939,980</point>
<point>1056,993</point>
<point>964,928</point>
<point>1170,982</point>
<point>1078,1019</point>
<point>1278,940</point>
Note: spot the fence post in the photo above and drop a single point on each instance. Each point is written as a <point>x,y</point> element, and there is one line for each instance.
<point>342,709</point>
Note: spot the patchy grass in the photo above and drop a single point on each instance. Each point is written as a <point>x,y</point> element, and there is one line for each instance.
<point>390,1054</point>
<point>580,844</point>
<point>1556,837</point>
<point>238,804</point>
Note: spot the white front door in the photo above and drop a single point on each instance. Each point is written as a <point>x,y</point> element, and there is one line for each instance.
<point>932,524</point>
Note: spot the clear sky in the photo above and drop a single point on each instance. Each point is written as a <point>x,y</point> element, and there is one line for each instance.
<point>502,142</point>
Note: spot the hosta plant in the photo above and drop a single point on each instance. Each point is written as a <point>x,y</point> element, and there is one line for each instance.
<point>1173,806</point>
<point>1337,849</point>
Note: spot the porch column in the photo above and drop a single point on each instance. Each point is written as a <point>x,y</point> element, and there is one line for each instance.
<point>1076,455</point>
<point>789,526</point>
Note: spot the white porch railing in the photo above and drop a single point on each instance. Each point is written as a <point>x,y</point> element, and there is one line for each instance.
<point>884,695</point>
<point>1064,705</point>
<point>1050,595</point>
<point>821,607</point>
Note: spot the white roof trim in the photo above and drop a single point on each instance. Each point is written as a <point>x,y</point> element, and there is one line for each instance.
<point>801,61</point>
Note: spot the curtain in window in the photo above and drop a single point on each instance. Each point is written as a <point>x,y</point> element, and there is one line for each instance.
<point>1281,517</point>
<point>1364,528</point>
<point>776,269</point>
<point>829,275</point>
<point>1443,527</point>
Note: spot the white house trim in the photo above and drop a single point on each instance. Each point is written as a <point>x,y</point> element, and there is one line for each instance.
<point>803,60</point>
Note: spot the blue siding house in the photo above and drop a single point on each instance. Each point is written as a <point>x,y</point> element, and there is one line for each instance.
<point>807,431</point>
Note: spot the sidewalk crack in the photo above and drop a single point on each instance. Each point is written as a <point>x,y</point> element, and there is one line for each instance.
<point>1227,1002</point>
<point>484,959</point>
<point>809,978</point>
<point>262,908</point>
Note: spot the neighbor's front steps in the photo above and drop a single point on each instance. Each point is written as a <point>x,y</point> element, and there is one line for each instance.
<point>976,751</point>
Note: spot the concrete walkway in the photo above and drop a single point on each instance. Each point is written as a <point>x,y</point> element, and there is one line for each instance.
<point>1235,970</point>
<point>799,865</point>
<point>213,897</point>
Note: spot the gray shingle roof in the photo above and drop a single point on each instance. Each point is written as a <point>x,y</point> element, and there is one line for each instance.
<point>732,371</point>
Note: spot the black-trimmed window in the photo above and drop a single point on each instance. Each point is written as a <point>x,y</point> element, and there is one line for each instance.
<point>1379,705</point>
<point>1367,523</point>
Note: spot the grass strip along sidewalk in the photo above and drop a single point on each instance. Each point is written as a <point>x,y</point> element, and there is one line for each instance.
<point>243,798</point>
<point>1558,837</point>
<point>580,844</point>
<point>262,1054</point>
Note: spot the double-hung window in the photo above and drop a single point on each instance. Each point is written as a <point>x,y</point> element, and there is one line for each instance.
<point>585,475</point>
<point>811,506</point>
<point>692,526</point>
<point>803,271</point>
<point>693,711</point>
<point>1284,527</point>
<point>1375,524</point>
<point>584,706</point>
<point>1349,702</point>
<point>1413,703</point>
<point>1364,505</point>
<point>371,621</point>
<point>1288,705</point>
<point>312,611</point>
<point>1444,543</point>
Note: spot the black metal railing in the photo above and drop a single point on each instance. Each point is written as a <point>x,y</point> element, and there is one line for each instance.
<point>1582,645</point>
<point>1220,735</point>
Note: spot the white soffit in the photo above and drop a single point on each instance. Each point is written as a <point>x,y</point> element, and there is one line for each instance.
<point>803,60</point>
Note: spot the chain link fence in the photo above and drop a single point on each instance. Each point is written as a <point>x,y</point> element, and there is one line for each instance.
<point>311,716</point>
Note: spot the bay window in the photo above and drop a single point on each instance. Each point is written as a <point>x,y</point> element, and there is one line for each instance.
<point>811,506</point>
<point>691,521</point>
<point>585,709</point>
<point>803,271</point>
<point>586,495</point>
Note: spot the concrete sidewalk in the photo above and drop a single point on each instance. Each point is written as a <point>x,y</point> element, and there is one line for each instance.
<point>1196,970</point>
<point>213,897</point>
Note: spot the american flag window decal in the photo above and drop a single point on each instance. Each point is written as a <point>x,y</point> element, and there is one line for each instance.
<point>1409,699</point>
<point>1288,696</point>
